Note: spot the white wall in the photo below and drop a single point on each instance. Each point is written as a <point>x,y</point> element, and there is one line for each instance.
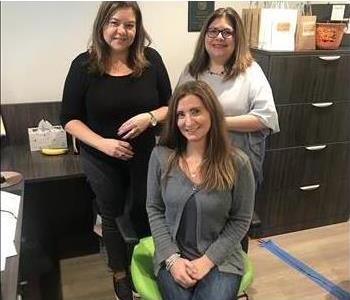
<point>40,39</point>
<point>38,42</point>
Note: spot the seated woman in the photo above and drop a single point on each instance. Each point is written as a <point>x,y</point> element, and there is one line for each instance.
<point>200,200</point>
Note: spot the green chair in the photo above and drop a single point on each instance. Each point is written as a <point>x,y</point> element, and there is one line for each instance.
<point>140,256</point>
<point>145,282</point>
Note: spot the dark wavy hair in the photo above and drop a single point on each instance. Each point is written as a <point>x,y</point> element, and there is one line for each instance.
<point>100,51</point>
<point>241,58</point>
<point>218,170</point>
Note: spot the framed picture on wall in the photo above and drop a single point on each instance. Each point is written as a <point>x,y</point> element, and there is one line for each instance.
<point>198,12</point>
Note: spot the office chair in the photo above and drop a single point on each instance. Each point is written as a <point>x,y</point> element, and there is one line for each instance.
<point>145,282</point>
<point>140,253</point>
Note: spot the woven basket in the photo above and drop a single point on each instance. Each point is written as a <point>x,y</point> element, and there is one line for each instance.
<point>329,35</point>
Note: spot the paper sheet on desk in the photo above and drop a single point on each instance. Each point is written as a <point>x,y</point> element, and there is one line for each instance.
<point>9,212</point>
<point>8,229</point>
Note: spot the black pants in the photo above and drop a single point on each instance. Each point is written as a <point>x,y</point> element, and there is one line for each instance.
<point>118,187</point>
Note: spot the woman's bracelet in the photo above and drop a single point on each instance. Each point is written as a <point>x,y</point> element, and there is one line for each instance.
<point>169,262</point>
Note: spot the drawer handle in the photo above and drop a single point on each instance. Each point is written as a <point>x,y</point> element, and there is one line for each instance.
<point>322,104</point>
<point>330,58</point>
<point>310,187</point>
<point>316,148</point>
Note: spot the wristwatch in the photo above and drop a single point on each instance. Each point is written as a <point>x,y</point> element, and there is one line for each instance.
<point>154,121</point>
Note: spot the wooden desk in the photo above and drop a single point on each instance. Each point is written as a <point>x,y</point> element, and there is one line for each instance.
<point>36,167</point>
<point>57,217</point>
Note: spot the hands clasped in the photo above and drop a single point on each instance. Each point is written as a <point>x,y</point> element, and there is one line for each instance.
<point>128,130</point>
<point>117,148</point>
<point>134,126</point>
<point>186,273</point>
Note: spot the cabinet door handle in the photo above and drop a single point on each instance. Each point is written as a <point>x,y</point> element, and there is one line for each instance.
<point>329,58</point>
<point>316,148</point>
<point>310,187</point>
<point>322,104</point>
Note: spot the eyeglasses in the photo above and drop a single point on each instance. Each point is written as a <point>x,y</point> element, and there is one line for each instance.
<point>214,32</point>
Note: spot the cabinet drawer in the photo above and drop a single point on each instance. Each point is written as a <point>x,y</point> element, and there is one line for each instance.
<point>296,167</point>
<point>292,207</point>
<point>304,79</point>
<point>305,124</point>
<point>263,61</point>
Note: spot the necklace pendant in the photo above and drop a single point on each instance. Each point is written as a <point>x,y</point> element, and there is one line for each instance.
<point>216,73</point>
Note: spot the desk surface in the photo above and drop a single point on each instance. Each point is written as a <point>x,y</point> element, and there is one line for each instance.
<point>35,166</point>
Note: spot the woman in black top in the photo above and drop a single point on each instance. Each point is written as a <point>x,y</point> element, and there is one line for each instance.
<point>114,96</point>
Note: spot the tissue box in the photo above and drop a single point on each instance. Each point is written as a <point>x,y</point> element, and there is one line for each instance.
<point>53,138</point>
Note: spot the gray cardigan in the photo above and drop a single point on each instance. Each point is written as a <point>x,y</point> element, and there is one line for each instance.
<point>223,217</point>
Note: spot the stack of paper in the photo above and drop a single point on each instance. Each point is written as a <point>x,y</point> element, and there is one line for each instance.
<point>9,213</point>
<point>2,127</point>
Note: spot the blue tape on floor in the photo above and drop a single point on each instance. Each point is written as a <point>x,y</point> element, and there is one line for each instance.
<point>322,281</point>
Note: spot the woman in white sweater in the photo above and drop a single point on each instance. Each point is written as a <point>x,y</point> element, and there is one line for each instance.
<point>223,60</point>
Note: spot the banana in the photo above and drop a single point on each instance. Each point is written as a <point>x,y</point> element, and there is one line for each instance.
<point>54,151</point>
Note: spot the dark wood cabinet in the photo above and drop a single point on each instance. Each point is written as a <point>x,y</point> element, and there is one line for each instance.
<point>293,208</point>
<point>310,78</point>
<point>300,166</point>
<point>307,165</point>
<point>306,124</point>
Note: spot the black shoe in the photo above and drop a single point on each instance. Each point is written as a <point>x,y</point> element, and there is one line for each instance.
<point>122,289</point>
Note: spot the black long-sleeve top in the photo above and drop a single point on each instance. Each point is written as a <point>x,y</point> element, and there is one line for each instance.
<point>105,102</point>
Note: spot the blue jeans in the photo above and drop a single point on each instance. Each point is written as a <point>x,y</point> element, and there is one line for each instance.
<point>215,285</point>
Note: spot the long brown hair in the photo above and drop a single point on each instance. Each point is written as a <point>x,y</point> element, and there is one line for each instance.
<point>240,59</point>
<point>217,169</point>
<point>100,51</point>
